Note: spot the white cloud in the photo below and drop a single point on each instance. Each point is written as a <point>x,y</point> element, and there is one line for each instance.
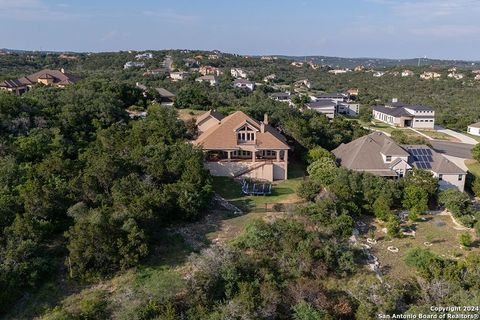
<point>32,10</point>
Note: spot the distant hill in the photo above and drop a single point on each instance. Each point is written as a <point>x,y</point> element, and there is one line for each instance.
<point>383,63</point>
<point>334,62</point>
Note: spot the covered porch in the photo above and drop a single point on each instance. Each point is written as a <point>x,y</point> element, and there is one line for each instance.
<point>246,156</point>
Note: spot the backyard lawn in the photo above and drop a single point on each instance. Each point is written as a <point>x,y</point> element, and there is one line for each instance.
<point>282,191</point>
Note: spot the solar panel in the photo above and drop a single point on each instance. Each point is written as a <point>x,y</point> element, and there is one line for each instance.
<point>430,159</point>
<point>414,152</point>
<point>423,151</point>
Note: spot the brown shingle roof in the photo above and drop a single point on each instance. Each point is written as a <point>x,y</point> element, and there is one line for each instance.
<point>211,113</point>
<point>365,153</point>
<point>223,136</point>
<point>439,163</point>
<point>58,76</point>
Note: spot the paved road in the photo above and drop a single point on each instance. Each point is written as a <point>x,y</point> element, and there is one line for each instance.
<point>460,136</point>
<point>454,149</point>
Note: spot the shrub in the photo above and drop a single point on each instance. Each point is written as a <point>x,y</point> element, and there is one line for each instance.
<point>309,189</point>
<point>465,239</point>
<point>393,226</point>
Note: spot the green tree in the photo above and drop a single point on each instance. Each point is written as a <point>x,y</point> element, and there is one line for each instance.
<point>422,179</point>
<point>317,153</point>
<point>304,311</point>
<point>323,171</point>
<point>476,152</point>
<point>393,225</point>
<point>381,208</point>
<point>415,199</point>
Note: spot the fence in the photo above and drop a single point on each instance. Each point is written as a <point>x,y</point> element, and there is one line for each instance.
<point>273,207</point>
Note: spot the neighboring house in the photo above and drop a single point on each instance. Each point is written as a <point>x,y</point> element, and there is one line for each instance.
<point>378,154</point>
<point>208,78</point>
<point>342,102</point>
<point>338,71</point>
<point>208,120</point>
<point>268,58</point>
<point>178,76</point>
<point>134,64</point>
<point>378,74</point>
<point>143,88</point>
<point>297,64</point>
<point>191,63</point>
<point>336,96</point>
<point>144,56</point>
<point>430,76</point>
<point>327,107</point>
<point>402,115</point>
<point>55,78</point>
<point>359,68</point>
<point>449,175</point>
<point>314,66</point>
<point>474,129</point>
<point>65,56</point>
<point>165,97</point>
<point>282,97</point>
<point>353,92</point>
<point>456,76</point>
<point>407,73</point>
<point>154,72</point>
<point>213,56</point>
<point>302,83</point>
<point>209,70</point>
<point>477,77</point>
<point>241,147</point>
<point>270,77</point>
<point>244,84</point>
<point>238,73</point>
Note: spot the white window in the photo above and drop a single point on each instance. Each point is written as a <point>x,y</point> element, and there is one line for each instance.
<point>460,177</point>
<point>440,177</point>
<point>388,158</point>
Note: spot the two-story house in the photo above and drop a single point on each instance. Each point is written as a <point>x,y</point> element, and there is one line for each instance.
<point>378,154</point>
<point>244,84</point>
<point>240,146</point>
<point>54,78</point>
<point>403,115</point>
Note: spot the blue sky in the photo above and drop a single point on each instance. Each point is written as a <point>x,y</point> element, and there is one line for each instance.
<point>347,28</point>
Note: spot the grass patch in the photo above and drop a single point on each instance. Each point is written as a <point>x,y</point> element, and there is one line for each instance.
<point>187,114</point>
<point>378,126</point>
<point>439,135</point>
<point>474,167</point>
<point>471,136</point>
<point>233,226</point>
<point>282,191</point>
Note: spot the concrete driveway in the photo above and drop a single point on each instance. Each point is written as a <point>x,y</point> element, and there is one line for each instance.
<point>460,136</point>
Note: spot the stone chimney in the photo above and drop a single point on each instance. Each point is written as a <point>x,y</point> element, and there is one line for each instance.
<point>265,118</point>
<point>62,71</point>
<point>394,100</point>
